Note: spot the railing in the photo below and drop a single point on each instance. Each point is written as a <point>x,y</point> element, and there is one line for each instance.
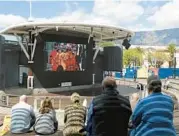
<point>59,102</point>
<point>123,81</point>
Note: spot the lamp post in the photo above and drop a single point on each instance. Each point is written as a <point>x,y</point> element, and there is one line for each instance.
<point>174,72</point>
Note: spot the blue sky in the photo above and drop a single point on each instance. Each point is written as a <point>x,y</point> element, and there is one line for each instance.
<point>132,14</point>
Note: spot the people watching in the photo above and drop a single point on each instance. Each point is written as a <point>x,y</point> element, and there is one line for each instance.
<point>109,113</point>
<point>153,115</point>
<point>46,122</point>
<point>74,117</point>
<point>22,116</point>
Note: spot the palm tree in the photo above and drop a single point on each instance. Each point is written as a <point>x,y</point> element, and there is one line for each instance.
<point>171,49</point>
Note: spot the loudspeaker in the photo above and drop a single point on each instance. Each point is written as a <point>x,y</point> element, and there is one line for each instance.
<point>126,44</point>
<point>113,58</point>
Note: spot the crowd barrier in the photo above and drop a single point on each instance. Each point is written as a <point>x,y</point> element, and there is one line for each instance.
<point>59,102</point>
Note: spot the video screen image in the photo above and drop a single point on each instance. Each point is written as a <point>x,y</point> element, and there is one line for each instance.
<point>65,56</point>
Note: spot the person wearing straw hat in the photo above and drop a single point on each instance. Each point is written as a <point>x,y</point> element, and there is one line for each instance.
<point>74,118</point>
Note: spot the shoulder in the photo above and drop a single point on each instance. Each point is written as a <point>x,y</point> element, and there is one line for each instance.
<point>23,106</point>
<point>53,112</point>
<point>168,98</point>
<point>68,107</point>
<point>160,97</point>
<point>38,114</point>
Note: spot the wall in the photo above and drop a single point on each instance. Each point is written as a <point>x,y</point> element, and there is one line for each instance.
<point>167,72</point>
<point>161,72</point>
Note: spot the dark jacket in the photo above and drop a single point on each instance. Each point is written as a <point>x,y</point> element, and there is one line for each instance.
<point>109,114</point>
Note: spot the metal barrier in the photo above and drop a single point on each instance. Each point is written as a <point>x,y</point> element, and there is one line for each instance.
<point>143,90</point>
<point>4,101</point>
<point>125,82</point>
<point>59,102</point>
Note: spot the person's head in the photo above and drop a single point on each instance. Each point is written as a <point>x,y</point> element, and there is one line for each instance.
<point>109,82</point>
<point>23,98</point>
<point>75,98</point>
<point>154,84</point>
<point>46,106</point>
<point>69,47</point>
<point>55,46</point>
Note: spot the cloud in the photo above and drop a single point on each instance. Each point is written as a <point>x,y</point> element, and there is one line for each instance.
<point>9,19</point>
<point>167,16</point>
<point>118,11</point>
<point>151,10</point>
<point>139,27</point>
<point>106,12</point>
<point>75,3</point>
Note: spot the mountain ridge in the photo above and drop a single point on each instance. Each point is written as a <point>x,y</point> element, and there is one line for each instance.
<point>157,37</point>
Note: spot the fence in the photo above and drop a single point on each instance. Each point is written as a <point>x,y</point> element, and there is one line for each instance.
<point>60,102</point>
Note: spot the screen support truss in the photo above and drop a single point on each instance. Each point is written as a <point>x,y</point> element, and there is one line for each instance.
<point>97,48</point>
<point>29,47</point>
<point>22,47</point>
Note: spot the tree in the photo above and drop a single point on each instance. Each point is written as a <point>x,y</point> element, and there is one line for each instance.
<point>139,50</point>
<point>171,49</point>
<point>132,56</point>
<point>106,43</point>
<point>157,58</point>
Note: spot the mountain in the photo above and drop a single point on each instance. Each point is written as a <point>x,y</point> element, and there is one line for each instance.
<point>158,37</point>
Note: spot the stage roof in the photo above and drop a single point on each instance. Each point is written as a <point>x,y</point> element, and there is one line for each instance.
<point>99,31</point>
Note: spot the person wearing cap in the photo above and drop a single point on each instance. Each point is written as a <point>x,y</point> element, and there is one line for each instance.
<point>153,115</point>
<point>75,117</point>
<point>108,113</point>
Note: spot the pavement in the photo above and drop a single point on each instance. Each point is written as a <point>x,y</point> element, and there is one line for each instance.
<point>124,88</point>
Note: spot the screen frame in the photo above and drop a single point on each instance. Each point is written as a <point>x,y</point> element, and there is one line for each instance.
<point>49,79</point>
<point>48,55</point>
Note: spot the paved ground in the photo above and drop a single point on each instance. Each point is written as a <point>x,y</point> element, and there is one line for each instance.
<point>124,88</point>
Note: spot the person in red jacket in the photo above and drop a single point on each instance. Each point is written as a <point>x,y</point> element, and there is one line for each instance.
<point>53,55</point>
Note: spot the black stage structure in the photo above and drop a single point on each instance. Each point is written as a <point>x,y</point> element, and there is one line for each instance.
<point>33,56</point>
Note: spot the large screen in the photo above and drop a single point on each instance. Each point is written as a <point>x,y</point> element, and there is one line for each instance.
<point>65,56</point>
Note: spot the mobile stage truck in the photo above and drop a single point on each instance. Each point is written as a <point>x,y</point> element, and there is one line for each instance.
<point>61,56</point>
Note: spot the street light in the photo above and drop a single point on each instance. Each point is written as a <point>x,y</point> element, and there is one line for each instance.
<point>174,72</point>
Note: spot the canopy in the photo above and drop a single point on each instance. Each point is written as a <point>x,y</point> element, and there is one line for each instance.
<point>100,32</point>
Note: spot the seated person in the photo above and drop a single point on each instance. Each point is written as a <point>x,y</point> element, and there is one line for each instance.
<point>109,112</point>
<point>46,122</point>
<point>22,116</point>
<point>153,115</point>
<point>75,115</point>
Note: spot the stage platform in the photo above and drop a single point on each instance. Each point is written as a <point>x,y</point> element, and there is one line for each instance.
<point>84,90</point>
